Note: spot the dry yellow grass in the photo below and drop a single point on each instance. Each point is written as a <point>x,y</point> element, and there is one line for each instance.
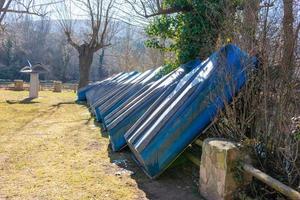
<point>51,149</point>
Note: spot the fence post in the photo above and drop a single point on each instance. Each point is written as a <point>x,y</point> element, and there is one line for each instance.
<point>75,88</point>
<point>34,85</point>
<point>218,179</point>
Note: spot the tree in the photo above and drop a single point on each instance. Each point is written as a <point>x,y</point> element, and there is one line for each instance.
<point>249,26</point>
<point>190,29</point>
<point>101,31</point>
<point>290,37</point>
<point>29,7</point>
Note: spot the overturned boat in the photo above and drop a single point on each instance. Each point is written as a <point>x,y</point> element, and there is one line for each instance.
<point>120,120</point>
<point>81,93</point>
<point>101,90</point>
<point>163,133</point>
<point>106,105</point>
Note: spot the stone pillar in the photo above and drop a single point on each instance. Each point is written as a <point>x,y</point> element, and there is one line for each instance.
<point>218,170</point>
<point>34,85</point>
<point>19,85</point>
<point>57,86</point>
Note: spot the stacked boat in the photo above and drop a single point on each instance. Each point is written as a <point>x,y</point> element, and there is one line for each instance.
<point>159,116</point>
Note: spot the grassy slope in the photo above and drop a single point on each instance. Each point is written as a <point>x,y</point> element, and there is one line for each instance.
<point>50,150</point>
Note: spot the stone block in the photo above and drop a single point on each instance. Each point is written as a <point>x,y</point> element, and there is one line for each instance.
<point>19,85</point>
<point>57,86</point>
<point>218,171</point>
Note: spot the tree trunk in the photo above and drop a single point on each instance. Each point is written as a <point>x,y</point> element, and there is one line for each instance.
<point>161,58</point>
<point>250,24</point>
<point>288,39</point>
<point>85,62</point>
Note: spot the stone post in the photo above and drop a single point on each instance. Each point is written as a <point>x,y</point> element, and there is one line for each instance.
<point>218,170</point>
<point>57,86</point>
<point>75,88</point>
<point>34,85</point>
<point>19,85</point>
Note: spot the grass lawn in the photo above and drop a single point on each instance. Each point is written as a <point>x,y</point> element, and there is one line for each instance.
<point>50,148</point>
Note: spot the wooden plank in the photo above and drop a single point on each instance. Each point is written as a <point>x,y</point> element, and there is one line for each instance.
<point>193,159</point>
<point>199,142</point>
<point>278,186</point>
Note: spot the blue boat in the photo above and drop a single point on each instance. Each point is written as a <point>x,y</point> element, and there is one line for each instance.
<point>140,85</point>
<point>116,99</point>
<point>102,89</point>
<point>102,95</point>
<point>121,119</point>
<point>107,84</point>
<point>159,138</point>
<point>81,93</point>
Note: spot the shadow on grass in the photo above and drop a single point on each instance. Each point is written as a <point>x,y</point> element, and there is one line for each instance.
<point>24,101</point>
<point>58,105</point>
<point>102,128</point>
<point>104,132</point>
<point>178,182</point>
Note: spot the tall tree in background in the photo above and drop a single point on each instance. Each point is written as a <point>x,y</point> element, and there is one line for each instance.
<point>290,37</point>
<point>101,31</point>
<point>249,26</point>
<point>190,29</point>
<point>29,7</point>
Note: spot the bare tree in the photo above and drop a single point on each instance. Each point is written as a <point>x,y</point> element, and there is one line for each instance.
<point>24,7</point>
<point>289,37</point>
<point>251,11</point>
<point>151,8</point>
<point>101,30</point>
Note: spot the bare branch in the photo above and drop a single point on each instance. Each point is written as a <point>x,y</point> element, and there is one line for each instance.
<point>70,40</point>
<point>267,5</point>
<point>100,16</point>
<point>19,7</point>
<point>26,12</point>
<point>4,9</point>
<point>101,46</point>
<point>297,33</point>
<point>106,22</point>
<point>170,11</point>
<point>156,8</point>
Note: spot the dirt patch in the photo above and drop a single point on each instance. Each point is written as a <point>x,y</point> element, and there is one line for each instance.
<point>94,145</point>
<point>4,159</point>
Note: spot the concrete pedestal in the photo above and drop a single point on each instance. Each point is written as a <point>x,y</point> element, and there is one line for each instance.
<point>57,86</point>
<point>218,169</point>
<point>34,85</point>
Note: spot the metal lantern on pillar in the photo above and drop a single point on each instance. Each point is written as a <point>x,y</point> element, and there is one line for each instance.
<point>34,72</point>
